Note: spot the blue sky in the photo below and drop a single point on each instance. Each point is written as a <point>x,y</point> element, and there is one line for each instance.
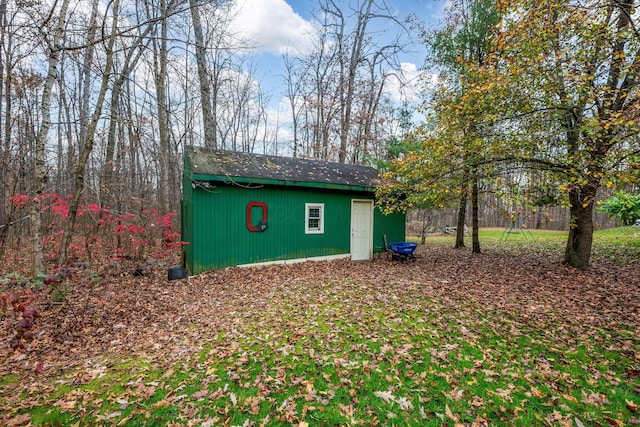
<point>279,26</point>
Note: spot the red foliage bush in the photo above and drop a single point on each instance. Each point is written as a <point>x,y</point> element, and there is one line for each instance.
<point>98,229</point>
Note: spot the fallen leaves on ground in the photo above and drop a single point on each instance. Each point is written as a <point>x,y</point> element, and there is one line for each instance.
<point>305,310</point>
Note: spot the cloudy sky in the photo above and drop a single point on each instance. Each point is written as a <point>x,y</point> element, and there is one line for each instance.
<point>283,26</point>
<point>274,25</point>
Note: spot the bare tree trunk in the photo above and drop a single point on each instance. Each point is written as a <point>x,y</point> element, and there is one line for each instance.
<point>65,136</point>
<point>134,140</point>
<point>40,169</point>
<point>132,57</point>
<point>85,115</point>
<point>5,84</point>
<point>462,213</point>
<point>160,60</point>
<point>475,222</point>
<point>354,61</point>
<point>320,100</point>
<point>427,220</point>
<point>371,108</point>
<point>87,147</point>
<point>208,118</point>
<point>293,93</point>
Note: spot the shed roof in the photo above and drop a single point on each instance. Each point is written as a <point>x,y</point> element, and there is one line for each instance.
<point>213,164</point>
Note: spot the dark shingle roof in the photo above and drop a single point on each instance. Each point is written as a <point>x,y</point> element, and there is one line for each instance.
<point>223,163</point>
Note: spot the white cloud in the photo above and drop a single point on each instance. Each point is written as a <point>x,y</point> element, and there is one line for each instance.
<point>273,26</point>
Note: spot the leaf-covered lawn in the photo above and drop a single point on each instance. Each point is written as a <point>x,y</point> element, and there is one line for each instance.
<point>508,337</point>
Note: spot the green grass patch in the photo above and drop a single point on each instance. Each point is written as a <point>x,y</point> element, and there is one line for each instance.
<point>617,245</point>
<point>428,365</point>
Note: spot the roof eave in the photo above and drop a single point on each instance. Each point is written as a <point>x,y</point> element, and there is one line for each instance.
<point>286,183</point>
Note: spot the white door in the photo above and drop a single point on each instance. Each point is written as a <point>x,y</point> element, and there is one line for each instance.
<point>361,229</point>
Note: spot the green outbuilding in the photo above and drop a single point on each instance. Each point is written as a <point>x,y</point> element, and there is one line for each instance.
<point>242,209</point>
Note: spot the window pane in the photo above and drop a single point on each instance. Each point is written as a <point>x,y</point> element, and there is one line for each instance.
<point>314,218</point>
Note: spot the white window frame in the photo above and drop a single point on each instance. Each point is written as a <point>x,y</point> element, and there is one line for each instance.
<point>307,208</point>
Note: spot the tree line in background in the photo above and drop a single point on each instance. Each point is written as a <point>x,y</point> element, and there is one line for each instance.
<point>98,100</point>
<point>538,101</point>
<point>535,105</point>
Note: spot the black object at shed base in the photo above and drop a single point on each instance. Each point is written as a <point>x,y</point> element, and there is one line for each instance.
<point>177,272</point>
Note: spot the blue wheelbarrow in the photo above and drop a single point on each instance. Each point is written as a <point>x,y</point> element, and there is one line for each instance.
<point>403,251</point>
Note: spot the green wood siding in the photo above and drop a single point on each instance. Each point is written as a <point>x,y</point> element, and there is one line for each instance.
<point>214,223</point>
<point>220,237</point>
<point>393,225</point>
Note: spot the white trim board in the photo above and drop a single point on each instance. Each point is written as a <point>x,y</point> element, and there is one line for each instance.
<point>297,260</point>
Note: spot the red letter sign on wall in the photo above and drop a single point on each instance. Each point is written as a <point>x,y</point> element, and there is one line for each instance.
<point>262,225</point>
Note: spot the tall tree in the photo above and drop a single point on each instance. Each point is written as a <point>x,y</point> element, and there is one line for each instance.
<point>86,72</point>
<point>206,100</point>
<point>462,48</point>
<point>577,64</point>
<point>130,56</point>
<point>54,50</point>
<point>353,49</point>
<point>160,60</point>
<point>5,85</point>
<point>86,146</point>
<point>320,96</point>
<point>295,74</point>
